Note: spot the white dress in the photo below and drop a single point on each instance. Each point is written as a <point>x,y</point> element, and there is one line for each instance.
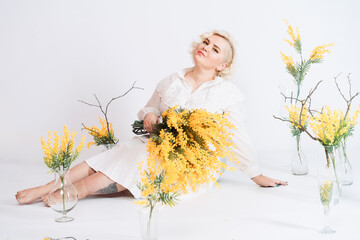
<point>218,96</point>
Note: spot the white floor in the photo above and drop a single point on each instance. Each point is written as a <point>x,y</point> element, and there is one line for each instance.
<point>238,210</point>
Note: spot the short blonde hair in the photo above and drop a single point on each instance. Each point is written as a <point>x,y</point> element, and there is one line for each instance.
<point>229,54</point>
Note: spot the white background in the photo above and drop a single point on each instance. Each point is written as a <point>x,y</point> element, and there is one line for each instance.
<point>53,53</point>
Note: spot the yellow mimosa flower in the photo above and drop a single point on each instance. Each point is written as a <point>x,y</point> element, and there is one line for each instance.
<point>81,145</point>
<point>288,60</point>
<point>89,144</point>
<point>188,157</point>
<point>329,126</point>
<point>319,51</point>
<point>56,142</point>
<point>61,157</point>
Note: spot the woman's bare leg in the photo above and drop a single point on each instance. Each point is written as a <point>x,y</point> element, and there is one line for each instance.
<point>95,184</point>
<point>30,195</point>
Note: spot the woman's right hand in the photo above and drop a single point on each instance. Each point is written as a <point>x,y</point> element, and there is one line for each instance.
<point>149,120</point>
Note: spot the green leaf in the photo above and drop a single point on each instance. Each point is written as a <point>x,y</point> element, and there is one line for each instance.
<point>297,46</point>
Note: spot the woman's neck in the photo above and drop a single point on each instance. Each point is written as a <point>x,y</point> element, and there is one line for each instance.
<point>199,76</point>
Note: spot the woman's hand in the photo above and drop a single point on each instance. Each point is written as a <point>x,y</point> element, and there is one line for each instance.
<point>149,120</point>
<point>264,181</point>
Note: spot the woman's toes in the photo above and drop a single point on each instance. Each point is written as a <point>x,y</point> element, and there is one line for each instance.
<point>45,199</point>
<point>21,198</point>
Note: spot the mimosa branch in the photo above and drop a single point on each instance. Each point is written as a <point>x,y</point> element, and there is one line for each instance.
<point>303,105</point>
<point>105,112</point>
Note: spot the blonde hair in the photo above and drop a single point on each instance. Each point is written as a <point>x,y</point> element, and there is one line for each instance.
<point>229,54</point>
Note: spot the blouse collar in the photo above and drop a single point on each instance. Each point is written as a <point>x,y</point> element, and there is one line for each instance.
<point>183,72</point>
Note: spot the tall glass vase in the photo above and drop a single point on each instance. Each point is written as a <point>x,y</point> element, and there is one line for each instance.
<point>346,169</point>
<point>149,217</point>
<point>326,182</point>
<point>334,163</point>
<point>63,197</point>
<point>299,164</point>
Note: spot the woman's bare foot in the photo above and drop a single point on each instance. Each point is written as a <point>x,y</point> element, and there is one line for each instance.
<point>45,199</point>
<point>32,194</point>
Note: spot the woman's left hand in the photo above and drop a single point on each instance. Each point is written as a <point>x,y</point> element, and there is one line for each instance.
<point>264,181</point>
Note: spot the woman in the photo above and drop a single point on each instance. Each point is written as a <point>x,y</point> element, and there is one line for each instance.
<point>203,86</point>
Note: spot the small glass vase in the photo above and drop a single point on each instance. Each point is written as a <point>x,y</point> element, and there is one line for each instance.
<point>63,197</point>
<point>334,163</point>
<point>326,182</point>
<point>149,218</point>
<point>299,164</point>
<point>107,147</point>
<point>347,177</point>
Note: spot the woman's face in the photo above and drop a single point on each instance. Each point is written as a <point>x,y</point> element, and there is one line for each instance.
<point>210,53</point>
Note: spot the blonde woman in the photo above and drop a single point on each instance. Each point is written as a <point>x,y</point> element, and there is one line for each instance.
<point>205,85</point>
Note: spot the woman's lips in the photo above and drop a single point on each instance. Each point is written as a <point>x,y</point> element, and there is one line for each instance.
<point>201,53</point>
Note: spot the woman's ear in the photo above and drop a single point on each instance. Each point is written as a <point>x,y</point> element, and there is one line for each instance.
<point>221,67</point>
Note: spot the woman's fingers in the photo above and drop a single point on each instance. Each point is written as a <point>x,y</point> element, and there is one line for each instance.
<point>265,181</point>
<point>149,121</point>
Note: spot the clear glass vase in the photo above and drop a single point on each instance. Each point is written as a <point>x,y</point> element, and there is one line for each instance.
<point>335,164</point>
<point>327,186</point>
<point>347,177</point>
<point>106,147</point>
<point>63,197</point>
<point>149,218</point>
<point>299,164</point>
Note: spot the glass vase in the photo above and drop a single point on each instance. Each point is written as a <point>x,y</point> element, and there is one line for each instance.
<point>326,182</point>
<point>106,147</point>
<point>63,197</point>
<point>299,164</point>
<point>335,164</point>
<point>149,218</point>
<point>346,168</point>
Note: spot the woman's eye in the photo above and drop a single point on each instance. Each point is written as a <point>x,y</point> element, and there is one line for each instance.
<point>205,42</point>
<point>215,50</point>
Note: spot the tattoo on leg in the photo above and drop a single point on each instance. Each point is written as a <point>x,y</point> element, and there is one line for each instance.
<point>109,189</point>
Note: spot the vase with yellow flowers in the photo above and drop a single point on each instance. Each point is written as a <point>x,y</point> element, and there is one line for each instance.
<point>184,152</point>
<point>299,163</point>
<point>59,154</point>
<point>346,170</point>
<point>331,127</point>
<point>298,70</point>
<point>102,136</point>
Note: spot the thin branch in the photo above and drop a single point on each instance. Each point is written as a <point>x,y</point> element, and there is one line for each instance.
<point>107,106</point>
<point>132,87</point>
<point>303,105</point>
<point>351,96</point>
<point>89,129</point>
<point>286,97</point>
<point>297,125</point>
<point>348,78</point>
<point>338,87</point>
<point>92,105</point>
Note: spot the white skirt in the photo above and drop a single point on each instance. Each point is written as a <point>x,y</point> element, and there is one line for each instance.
<point>121,164</point>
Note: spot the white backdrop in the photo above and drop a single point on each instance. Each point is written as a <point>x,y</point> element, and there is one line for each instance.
<point>53,53</point>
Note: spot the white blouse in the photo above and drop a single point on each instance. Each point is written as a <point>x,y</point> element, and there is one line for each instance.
<point>217,96</point>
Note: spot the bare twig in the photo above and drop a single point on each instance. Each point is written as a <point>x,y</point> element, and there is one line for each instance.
<point>104,112</point>
<point>89,129</point>
<point>303,106</point>
<point>302,128</point>
<point>351,96</point>
<point>132,87</point>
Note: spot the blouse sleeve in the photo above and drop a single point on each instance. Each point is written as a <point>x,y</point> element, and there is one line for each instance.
<point>153,105</point>
<point>243,149</point>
